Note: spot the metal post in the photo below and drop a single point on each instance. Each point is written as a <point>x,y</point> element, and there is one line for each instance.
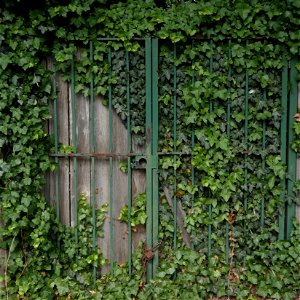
<point>292,157</point>
<point>210,111</point>
<point>283,137</point>
<point>155,120</point>
<point>111,221</point>
<point>174,146</point>
<point>193,146</point>
<point>129,192</point>
<point>74,137</point>
<point>92,149</point>
<point>149,182</point>
<point>57,198</point>
<point>262,205</point>
<point>228,135</point>
<point>246,142</point>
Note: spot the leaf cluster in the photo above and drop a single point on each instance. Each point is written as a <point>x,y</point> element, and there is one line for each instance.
<point>227,177</point>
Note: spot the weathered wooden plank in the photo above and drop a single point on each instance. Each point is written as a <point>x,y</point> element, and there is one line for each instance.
<point>120,184</point>
<point>180,215</point>
<point>63,138</point>
<point>72,161</point>
<point>67,178</point>
<point>120,191</point>
<point>62,170</point>
<point>83,145</point>
<point>101,124</point>
<point>138,186</point>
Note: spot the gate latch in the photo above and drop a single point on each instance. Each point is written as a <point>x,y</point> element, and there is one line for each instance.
<point>139,162</point>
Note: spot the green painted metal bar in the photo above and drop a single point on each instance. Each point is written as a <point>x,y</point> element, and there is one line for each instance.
<point>74,137</point>
<point>292,157</point>
<point>155,120</point>
<point>117,39</point>
<point>246,124</point>
<point>149,204</point>
<point>193,146</point>
<point>283,137</point>
<point>174,146</point>
<point>55,125</point>
<point>228,135</point>
<point>111,224</point>
<point>129,148</point>
<point>105,154</point>
<point>246,141</point>
<point>92,149</point>
<point>210,110</point>
<point>229,90</point>
<point>262,207</point>
<point>174,153</point>
<point>246,108</point>
<point>211,70</point>
<point>119,155</point>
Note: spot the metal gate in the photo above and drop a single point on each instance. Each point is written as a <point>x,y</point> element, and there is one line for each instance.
<point>99,141</point>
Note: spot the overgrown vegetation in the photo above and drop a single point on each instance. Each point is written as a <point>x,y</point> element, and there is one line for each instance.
<point>230,186</point>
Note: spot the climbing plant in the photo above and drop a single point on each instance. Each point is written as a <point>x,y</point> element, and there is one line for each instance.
<point>214,52</point>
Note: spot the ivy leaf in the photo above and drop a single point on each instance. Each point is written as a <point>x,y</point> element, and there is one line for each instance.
<point>296,126</point>
<point>264,80</point>
<point>4,60</point>
<point>223,144</point>
<point>252,278</point>
<point>192,117</point>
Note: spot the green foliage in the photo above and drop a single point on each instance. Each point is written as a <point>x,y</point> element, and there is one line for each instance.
<point>46,259</point>
<point>118,285</point>
<point>198,276</point>
<point>51,260</point>
<point>123,166</point>
<point>137,214</point>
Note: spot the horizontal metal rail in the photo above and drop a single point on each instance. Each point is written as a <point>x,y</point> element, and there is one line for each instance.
<point>108,154</point>
<point>197,37</point>
<point>95,154</point>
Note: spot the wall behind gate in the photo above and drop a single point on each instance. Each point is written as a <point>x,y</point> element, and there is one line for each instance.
<point>60,183</point>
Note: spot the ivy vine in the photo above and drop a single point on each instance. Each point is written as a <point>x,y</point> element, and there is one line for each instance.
<point>237,46</point>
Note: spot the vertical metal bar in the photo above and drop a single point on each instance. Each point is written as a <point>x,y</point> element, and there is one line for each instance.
<point>210,111</point>
<point>229,90</point>
<point>92,149</point>
<point>149,153</point>
<point>174,145</point>
<point>111,225</point>
<point>193,146</point>
<point>211,70</point>
<point>292,157</point>
<point>246,149</point>
<point>297,209</point>
<point>246,141</point>
<point>228,135</point>
<point>129,193</point>
<point>74,137</point>
<point>155,148</point>
<point>283,137</point>
<point>57,198</point>
<point>262,207</point>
